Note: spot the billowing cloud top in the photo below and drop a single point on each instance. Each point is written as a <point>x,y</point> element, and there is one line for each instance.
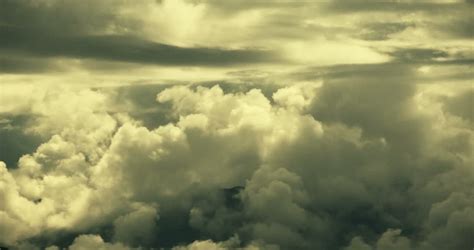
<point>215,125</point>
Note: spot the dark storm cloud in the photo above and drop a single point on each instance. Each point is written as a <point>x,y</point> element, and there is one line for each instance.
<point>123,48</point>
<point>74,29</point>
<point>20,64</point>
<point>418,55</point>
<point>431,56</point>
<point>58,17</point>
<point>391,6</point>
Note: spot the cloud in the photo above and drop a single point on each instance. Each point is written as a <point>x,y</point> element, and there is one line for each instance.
<point>236,125</point>
<point>461,105</point>
<point>419,55</point>
<point>281,181</point>
<point>138,227</point>
<point>108,31</point>
<point>19,65</point>
<point>382,31</point>
<point>393,5</point>
<point>243,125</point>
<point>84,242</point>
<point>125,49</point>
<point>262,33</point>
<point>15,141</point>
<point>231,243</point>
<point>266,169</point>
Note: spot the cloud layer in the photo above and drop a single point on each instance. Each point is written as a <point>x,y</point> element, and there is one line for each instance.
<point>201,125</point>
<point>344,165</point>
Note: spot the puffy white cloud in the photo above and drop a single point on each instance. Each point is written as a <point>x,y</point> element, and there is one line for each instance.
<point>18,213</point>
<point>231,243</point>
<point>201,245</point>
<point>298,96</point>
<point>82,119</point>
<point>85,242</point>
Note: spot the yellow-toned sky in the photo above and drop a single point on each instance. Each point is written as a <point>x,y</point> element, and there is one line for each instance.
<point>240,124</point>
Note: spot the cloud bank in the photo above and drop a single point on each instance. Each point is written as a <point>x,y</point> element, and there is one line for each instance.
<point>343,165</point>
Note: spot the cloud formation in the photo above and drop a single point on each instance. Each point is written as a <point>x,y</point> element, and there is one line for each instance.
<point>184,124</point>
<point>354,165</point>
<point>37,35</point>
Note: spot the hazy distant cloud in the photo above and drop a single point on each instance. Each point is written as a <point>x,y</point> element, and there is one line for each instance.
<point>211,33</point>
<point>419,55</point>
<point>94,30</point>
<point>461,105</point>
<point>382,31</point>
<point>18,64</point>
<point>393,5</point>
<point>430,56</point>
<point>123,48</point>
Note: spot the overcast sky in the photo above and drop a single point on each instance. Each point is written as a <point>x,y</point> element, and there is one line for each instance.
<point>240,124</point>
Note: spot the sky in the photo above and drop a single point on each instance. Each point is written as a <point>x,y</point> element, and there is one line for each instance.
<point>220,125</point>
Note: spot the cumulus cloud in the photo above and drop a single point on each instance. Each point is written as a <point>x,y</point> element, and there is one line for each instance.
<point>84,242</point>
<point>356,164</point>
